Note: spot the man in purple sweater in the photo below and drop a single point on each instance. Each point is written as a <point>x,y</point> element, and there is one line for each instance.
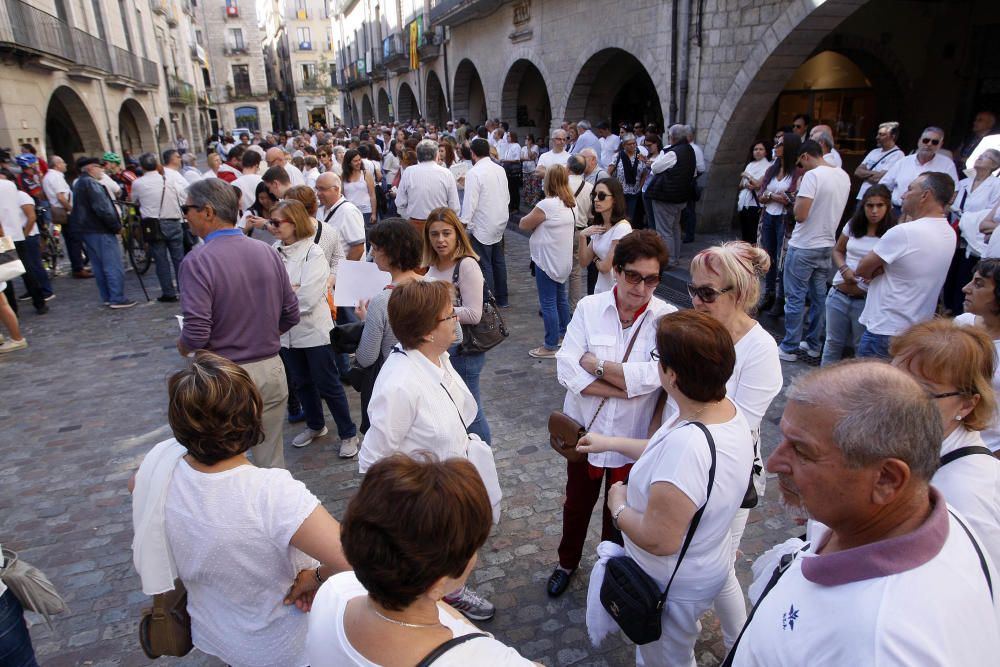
<point>237,301</point>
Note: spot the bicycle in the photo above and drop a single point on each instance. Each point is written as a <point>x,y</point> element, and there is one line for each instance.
<point>134,240</point>
<point>52,248</point>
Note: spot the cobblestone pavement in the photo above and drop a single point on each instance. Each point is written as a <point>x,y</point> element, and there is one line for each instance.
<point>88,398</point>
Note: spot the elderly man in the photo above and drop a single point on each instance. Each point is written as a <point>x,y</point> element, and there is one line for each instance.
<point>237,300</point>
<point>557,153</point>
<point>592,172</point>
<point>484,214</point>
<point>586,138</point>
<point>823,135</point>
<point>672,188</point>
<point>345,217</point>
<point>189,168</point>
<point>889,575</point>
<point>426,186</point>
<point>59,194</point>
<point>277,157</point>
<point>902,173</point>
<point>876,164</point>
<point>160,194</point>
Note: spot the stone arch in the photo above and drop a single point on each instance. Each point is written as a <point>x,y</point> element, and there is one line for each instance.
<point>614,85</point>
<point>525,100</point>
<point>135,133</point>
<point>406,103</point>
<point>162,135</point>
<point>383,106</point>
<point>468,93</point>
<point>70,130</point>
<point>436,105</point>
<point>367,112</point>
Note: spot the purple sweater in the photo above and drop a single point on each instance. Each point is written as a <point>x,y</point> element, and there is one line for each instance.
<point>236,298</point>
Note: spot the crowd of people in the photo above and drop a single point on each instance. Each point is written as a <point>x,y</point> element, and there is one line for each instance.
<point>890,467</point>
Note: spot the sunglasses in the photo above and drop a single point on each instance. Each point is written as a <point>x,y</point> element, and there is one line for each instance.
<point>705,293</point>
<point>634,277</point>
<point>599,196</point>
<point>453,316</point>
<point>928,140</point>
<point>947,394</point>
<point>274,222</point>
<point>189,207</point>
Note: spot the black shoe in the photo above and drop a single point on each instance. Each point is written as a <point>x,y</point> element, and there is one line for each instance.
<point>167,299</point>
<point>24,297</point>
<point>41,310</point>
<point>558,582</point>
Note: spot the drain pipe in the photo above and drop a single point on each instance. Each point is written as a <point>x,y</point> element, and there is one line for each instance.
<point>684,59</point>
<point>447,73</point>
<point>673,64</point>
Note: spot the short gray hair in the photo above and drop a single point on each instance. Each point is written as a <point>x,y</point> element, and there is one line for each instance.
<point>427,150</point>
<point>824,138</point>
<point>880,413</point>
<point>576,165</point>
<point>218,194</point>
<point>935,129</point>
<point>189,159</point>
<point>992,154</point>
<point>148,162</point>
<point>628,136</point>
<point>583,125</point>
<point>677,132</point>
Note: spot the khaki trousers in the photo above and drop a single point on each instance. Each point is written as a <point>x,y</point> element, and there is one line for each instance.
<point>269,376</point>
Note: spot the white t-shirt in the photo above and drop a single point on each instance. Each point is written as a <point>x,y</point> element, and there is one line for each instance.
<point>550,158</point>
<point>757,169</point>
<point>551,243</point>
<point>294,175</point>
<point>857,248</point>
<point>247,183</point>
<point>991,434</point>
<point>775,186</point>
<point>680,455</point>
<point>756,377</point>
<point>53,184</point>
<point>609,149</point>
<point>833,158</point>
<point>348,222</point>
<point>24,199</point>
<point>601,245</point>
<point>879,160</point>
<point>829,188</point>
<point>328,646</point>
<point>230,535</point>
<point>903,171</point>
<point>917,255</point>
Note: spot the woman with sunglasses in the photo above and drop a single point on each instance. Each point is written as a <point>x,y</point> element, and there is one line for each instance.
<point>776,196</point>
<point>305,348</point>
<point>982,309</point>
<point>955,364</point>
<point>596,243</point>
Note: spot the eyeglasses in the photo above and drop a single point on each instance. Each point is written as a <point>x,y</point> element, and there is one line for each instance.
<point>634,277</point>
<point>705,293</point>
<point>654,355</point>
<point>453,316</point>
<point>189,207</point>
<point>274,222</point>
<point>928,140</point>
<point>600,196</point>
<point>947,394</point>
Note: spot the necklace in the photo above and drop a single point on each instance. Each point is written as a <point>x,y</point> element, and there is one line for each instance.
<point>401,623</point>
<point>697,414</point>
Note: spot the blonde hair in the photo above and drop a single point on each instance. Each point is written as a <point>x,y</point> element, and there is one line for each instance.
<point>948,353</point>
<point>463,247</point>
<point>556,184</point>
<point>295,212</point>
<point>740,265</point>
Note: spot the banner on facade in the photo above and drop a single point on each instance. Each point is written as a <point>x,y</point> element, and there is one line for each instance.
<point>414,35</point>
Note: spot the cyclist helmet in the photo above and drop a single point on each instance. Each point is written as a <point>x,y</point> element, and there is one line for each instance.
<point>26,160</point>
<point>111,157</point>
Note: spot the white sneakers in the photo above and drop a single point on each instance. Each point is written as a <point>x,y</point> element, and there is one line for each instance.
<point>348,446</point>
<point>10,345</point>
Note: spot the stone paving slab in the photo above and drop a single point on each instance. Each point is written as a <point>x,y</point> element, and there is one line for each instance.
<point>87,399</point>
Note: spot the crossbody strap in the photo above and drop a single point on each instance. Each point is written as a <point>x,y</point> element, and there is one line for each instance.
<point>979,552</point>
<point>163,193</point>
<point>962,452</point>
<point>447,646</point>
<point>628,351</point>
<point>450,397</point>
<point>334,210</point>
<point>882,158</point>
<point>696,519</point>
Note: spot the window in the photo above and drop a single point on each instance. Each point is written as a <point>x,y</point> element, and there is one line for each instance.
<point>246,117</point>
<point>308,73</point>
<point>305,38</point>
<point>236,39</point>
<point>198,38</point>
<point>241,79</point>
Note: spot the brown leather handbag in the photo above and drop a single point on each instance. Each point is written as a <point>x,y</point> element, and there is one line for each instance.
<point>165,628</point>
<point>565,432</point>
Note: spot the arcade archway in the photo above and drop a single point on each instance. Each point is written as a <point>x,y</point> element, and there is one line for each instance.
<point>70,134</point>
<point>406,103</point>
<point>135,134</point>
<point>469,96</point>
<point>525,101</point>
<point>437,106</point>
<point>614,86</point>
<point>367,112</point>
<point>383,106</point>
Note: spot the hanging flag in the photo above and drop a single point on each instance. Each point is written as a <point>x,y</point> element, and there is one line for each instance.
<point>414,58</point>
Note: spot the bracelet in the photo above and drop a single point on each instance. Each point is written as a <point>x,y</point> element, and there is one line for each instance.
<point>842,268</point>
<point>319,578</point>
<point>617,513</point>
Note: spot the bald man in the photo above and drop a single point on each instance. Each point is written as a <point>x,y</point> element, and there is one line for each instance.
<point>345,217</point>
<point>277,157</point>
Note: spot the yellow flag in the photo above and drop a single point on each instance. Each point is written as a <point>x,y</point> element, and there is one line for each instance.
<point>414,58</point>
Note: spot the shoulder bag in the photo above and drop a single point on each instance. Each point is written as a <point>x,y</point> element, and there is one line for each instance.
<point>447,646</point>
<point>165,628</point>
<point>490,331</point>
<point>11,265</point>
<point>565,432</point>
<point>151,226</point>
<point>630,595</point>
<point>30,586</point>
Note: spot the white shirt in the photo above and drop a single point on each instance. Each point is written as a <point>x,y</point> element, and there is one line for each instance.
<point>595,328</point>
<point>757,169</point>
<point>230,535</point>
<point>756,377</point>
<point>247,183</point>
<point>609,149</point>
<point>857,249</point>
<point>24,199</point>
<point>879,160</point>
<point>776,186</point>
<point>191,175</point>
<point>917,255</point>
<point>829,188</point>
<point>551,158</point>
<point>11,215</point>
<point>53,184</point>
<point>348,222</point>
<point>485,208</point>
<point>148,190</point>
<point>294,175</point>
<point>833,158</point>
<point>581,213</point>
<point>680,456</point>
<point>551,243</point>
<point>328,645</point>
<point>412,409</point>
<point>511,153</point>
<point>984,197</point>
<point>699,159</point>
<point>991,434</point>
<point>903,171</point>
<point>424,187</point>
<point>601,244</point>
<point>333,248</point>
<point>110,185</point>
<point>587,140</point>
<point>311,175</point>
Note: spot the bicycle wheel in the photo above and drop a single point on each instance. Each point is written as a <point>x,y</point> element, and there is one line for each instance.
<point>138,250</point>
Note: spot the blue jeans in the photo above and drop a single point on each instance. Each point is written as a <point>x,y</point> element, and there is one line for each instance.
<point>842,326</point>
<point>630,203</point>
<point>469,367</point>
<point>648,207</point>
<point>314,373</point>
<point>553,299</point>
<point>105,253</point>
<point>172,243</point>
<point>772,234</point>
<point>806,272</point>
<point>494,266</point>
<point>15,642</point>
<point>875,346</point>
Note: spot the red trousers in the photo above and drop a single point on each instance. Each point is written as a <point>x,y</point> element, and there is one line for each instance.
<point>583,489</point>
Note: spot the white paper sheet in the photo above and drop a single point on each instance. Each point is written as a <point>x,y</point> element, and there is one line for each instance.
<point>358,281</point>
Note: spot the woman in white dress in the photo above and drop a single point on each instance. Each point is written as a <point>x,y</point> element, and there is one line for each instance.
<point>597,242</point>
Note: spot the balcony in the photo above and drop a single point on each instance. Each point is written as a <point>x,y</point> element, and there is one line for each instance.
<point>198,53</point>
<point>305,46</point>
<point>161,7</point>
<point>430,47</point>
<point>235,49</point>
<point>242,92</point>
<point>180,92</point>
<point>231,10</point>
<point>394,53</point>
<point>457,12</point>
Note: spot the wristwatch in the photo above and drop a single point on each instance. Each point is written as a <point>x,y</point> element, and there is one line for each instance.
<point>599,371</point>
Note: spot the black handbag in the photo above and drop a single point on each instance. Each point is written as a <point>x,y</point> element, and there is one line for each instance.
<point>345,338</point>
<point>490,331</point>
<point>151,226</point>
<point>630,595</point>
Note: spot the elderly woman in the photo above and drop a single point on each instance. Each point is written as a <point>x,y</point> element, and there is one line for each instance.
<point>411,532</point>
<point>955,364</point>
<point>596,243</point>
<point>244,540</point>
<point>305,348</point>
<point>672,480</point>
<point>976,194</point>
<point>630,169</point>
<point>551,245</point>
<point>420,403</point>
<point>611,386</point>
<point>982,308</point>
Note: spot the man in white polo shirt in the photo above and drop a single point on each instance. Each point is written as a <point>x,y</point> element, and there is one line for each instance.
<point>556,155</point>
<point>876,164</point>
<point>902,172</point>
<point>484,214</point>
<point>890,575</point>
<point>908,266</point>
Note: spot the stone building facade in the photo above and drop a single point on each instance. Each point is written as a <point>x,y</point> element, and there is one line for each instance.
<point>735,70</point>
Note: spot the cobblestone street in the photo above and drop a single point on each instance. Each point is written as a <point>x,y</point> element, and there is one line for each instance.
<point>87,399</point>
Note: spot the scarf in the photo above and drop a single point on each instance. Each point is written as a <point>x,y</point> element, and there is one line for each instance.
<point>630,166</point>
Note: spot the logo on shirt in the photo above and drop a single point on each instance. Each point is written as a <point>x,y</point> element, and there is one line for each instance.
<point>789,617</point>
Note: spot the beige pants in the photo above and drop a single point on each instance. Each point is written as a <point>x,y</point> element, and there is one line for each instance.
<point>269,376</point>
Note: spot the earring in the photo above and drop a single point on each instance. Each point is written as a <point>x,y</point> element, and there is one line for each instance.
<point>958,418</point>
<point>430,339</point>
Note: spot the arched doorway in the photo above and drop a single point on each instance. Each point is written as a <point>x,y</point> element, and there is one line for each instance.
<point>384,114</point>
<point>525,101</point>
<point>70,135</point>
<point>469,97</point>
<point>437,106</point>
<point>367,112</point>
<point>162,136</point>
<point>135,134</point>
<point>614,86</point>
<point>406,103</point>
